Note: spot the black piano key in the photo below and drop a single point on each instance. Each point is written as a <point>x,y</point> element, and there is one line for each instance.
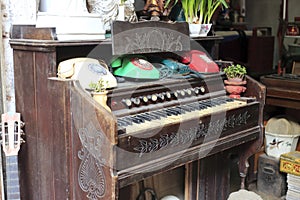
<point>229,99</point>
<point>171,112</point>
<point>134,120</point>
<point>142,120</point>
<point>204,104</point>
<point>160,113</point>
<point>186,108</point>
<point>221,101</point>
<point>121,123</point>
<point>193,106</point>
<point>224,101</point>
<point>183,109</point>
<point>215,103</point>
<point>153,115</point>
<point>178,110</point>
<point>145,117</point>
<point>137,120</point>
<point>127,120</point>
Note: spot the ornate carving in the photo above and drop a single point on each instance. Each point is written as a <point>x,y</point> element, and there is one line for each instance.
<point>149,36</point>
<point>92,139</point>
<point>187,136</point>
<point>90,173</point>
<point>150,40</point>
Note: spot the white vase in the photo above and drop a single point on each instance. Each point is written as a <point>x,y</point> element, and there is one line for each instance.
<point>194,29</point>
<point>205,28</point>
<point>199,30</point>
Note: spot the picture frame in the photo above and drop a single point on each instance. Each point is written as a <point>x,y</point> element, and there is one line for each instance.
<point>296,68</point>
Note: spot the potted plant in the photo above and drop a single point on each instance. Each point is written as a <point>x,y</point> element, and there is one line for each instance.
<point>99,92</point>
<point>199,11</point>
<point>235,82</point>
<point>235,72</point>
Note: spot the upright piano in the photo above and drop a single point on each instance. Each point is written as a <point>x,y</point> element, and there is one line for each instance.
<point>76,149</point>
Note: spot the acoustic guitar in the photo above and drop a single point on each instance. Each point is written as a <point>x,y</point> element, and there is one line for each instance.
<point>11,140</point>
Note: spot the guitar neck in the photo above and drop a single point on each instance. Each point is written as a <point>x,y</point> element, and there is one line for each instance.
<point>12,178</point>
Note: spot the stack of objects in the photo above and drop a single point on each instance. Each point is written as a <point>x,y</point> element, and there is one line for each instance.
<point>290,164</point>
<point>281,136</point>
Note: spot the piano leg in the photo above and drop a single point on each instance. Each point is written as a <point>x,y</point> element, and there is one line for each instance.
<point>246,152</point>
<point>243,169</point>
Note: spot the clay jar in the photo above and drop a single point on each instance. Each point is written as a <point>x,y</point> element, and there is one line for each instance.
<point>235,86</point>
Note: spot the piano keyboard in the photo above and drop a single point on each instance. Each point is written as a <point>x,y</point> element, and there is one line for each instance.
<point>176,114</point>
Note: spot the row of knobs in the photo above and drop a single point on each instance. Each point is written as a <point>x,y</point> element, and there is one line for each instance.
<point>163,96</point>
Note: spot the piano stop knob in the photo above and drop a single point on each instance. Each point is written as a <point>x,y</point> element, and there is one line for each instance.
<point>161,96</point>
<point>136,101</point>
<point>153,97</point>
<point>188,92</point>
<point>127,102</point>
<point>168,95</point>
<point>144,99</point>
<point>175,94</point>
<point>182,93</point>
<point>202,89</point>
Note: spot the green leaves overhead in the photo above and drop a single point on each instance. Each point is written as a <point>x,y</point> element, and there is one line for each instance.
<point>198,11</point>
<point>211,7</point>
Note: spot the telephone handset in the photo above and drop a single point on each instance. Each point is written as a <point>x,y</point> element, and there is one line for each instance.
<point>200,62</point>
<point>86,70</point>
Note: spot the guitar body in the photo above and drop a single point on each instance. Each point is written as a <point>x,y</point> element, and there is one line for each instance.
<point>11,140</point>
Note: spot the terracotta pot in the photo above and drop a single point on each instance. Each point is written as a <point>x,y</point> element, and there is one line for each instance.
<point>235,82</point>
<point>235,79</point>
<point>235,87</point>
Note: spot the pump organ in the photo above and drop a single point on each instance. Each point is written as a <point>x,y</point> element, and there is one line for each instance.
<point>76,149</point>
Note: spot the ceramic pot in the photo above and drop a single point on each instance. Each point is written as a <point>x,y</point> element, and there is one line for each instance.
<point>194,29</point>
<point>235,79</point>
<point>199,30</point>
<point>101,98</point>
<point>235,87</point>
<point>235,90</point>
<point>205,28</point>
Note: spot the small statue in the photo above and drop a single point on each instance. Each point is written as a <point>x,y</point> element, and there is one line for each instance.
<point>155,8</point>
<point>109,10</point>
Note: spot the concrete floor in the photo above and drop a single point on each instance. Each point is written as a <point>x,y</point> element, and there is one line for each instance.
<point>264,196</point>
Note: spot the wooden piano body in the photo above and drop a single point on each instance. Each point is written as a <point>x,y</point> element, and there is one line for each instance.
<point>76,150</point>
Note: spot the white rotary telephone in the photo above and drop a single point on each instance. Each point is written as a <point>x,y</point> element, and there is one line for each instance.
<point>86,70</point>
